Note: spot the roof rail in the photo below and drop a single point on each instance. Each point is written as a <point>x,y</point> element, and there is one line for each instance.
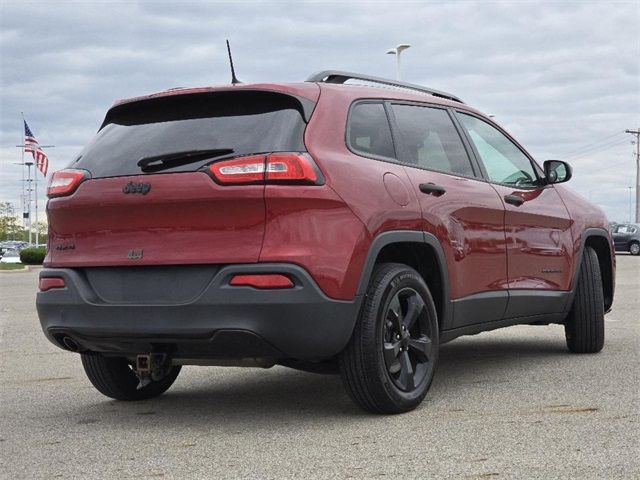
<point>336,76</point>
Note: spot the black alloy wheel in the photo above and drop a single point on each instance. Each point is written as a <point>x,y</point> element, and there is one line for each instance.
<point>407,340</point>
<point>389,363</point>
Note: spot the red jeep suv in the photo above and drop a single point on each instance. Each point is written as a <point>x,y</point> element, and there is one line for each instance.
<point>320,225</point>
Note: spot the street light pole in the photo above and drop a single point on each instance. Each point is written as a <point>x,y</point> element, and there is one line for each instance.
<point>637,134</point>
<point>397,51</point>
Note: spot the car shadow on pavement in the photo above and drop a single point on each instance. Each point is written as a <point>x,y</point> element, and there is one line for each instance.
<point>217,396</point>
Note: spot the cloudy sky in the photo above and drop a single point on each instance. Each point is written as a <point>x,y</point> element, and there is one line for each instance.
<point>562,76</point>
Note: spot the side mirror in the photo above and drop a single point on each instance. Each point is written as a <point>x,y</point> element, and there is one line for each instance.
<point>557,171</point>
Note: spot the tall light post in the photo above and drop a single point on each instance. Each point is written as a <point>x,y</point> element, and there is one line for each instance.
<point>397,51</point>
<point>636,133</point>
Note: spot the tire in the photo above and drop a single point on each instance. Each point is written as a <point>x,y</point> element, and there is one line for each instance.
<point>114,378</point>
<point>381,372</point>
<point>634,248</point>
<point>584,326</point>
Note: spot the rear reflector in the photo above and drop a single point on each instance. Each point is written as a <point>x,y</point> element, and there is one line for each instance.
<point>48,283</point>
<point>292,168</point>
<point>270,280</point>
<point>65,182</point>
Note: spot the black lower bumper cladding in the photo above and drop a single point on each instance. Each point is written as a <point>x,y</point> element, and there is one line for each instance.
<point>209,319</point>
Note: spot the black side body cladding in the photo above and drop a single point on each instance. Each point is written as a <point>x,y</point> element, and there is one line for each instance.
<point>488,310</point>
<point>408,236</point>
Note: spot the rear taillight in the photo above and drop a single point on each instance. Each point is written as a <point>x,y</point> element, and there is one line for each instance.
<point>65,182</point>
<point>291,168</point>
<point>239,170</point>
<point>47,283</point>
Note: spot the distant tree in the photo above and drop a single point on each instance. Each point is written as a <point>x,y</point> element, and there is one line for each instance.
<point>6,208</point>
<point>9,227</point>
<point>40,227</point>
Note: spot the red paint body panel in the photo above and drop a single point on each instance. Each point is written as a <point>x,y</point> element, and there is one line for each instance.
<point>359,183</point>
<point>539,241</point>
<point>583,215</point>
<point>468,220</point>
<point>186,218</point>
<point>312,227</point>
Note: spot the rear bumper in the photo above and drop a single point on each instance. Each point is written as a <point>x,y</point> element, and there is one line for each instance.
<point>221,321</point>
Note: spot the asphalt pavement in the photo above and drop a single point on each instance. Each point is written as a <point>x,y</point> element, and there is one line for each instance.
<point>512,403</point>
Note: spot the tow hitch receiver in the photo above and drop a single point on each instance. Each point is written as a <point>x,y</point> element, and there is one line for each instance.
<point>151,367</point>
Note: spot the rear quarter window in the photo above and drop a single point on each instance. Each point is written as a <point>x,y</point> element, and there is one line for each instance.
<point>368,130</point>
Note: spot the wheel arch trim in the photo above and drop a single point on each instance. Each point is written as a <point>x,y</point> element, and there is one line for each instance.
<point>587,234</point>
<point>408,236</point>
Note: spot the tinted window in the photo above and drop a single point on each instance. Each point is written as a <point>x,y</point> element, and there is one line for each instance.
<point>369,130</point>
<point>625,229</point>
<point>430,140</point>
<point>503,160</point>
<point>246,122</point>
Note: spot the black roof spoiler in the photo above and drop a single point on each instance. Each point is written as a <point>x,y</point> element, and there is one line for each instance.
<point>336,76</point>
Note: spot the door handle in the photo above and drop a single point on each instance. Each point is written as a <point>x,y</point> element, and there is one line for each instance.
<point>432,189</point>
<point>514,200</point>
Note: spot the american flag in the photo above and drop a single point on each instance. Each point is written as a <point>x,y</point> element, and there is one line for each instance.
<point>32,145</point>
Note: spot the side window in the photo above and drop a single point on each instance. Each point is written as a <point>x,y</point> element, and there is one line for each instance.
<point>503,160</point>
<point>625,229</point>
<point>369,132</point>
<point>430,140</point>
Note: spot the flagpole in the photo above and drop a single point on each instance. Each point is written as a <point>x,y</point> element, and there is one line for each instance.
<point>29,197</point>
<point>35,186</point>
<point>23,198</point>
<point>38,156</point>
<point>29,222</point>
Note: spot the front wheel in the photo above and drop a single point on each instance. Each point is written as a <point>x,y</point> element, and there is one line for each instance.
<point>584,326</point>
<point>114,377</point>
<point>634,248</point>
<point>389,363</point>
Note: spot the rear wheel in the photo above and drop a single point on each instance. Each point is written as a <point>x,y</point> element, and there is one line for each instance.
<point>584,326</point>
<point>634,248</point>
<point>115,378</point>
<point>389,363</point>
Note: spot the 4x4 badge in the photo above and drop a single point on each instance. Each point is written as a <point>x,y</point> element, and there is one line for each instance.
<point>135,254</point>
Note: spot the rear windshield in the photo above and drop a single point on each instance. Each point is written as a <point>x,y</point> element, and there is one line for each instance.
<point>235,123</point>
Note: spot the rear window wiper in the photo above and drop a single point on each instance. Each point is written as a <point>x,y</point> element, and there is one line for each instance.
<point>177,159</point>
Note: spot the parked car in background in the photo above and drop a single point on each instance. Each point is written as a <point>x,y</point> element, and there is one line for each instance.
<point>322,226</point>
<point>5,246</point>
<point>11,256</point>
<point>626,237</point>
<point>12,245</point>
